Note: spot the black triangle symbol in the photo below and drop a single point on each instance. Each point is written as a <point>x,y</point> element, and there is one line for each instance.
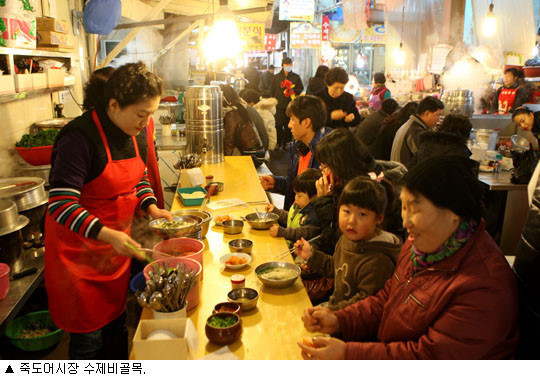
<point>9,370</point>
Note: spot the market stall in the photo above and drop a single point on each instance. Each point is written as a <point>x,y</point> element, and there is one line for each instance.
<point>271,330</point>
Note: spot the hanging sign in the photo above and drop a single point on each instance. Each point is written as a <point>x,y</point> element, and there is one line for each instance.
<point>252,34</point>
<point>325,28</point>
<point>296,10</point>
<point>270,41</point>
<point>376,34</point>
<point>306,36</point>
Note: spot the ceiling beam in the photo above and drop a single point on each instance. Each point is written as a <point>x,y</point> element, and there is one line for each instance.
<point>131,35</point>
<point>172,20</point>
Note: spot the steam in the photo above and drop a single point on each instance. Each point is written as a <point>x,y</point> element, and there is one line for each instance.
<point>466,72</point>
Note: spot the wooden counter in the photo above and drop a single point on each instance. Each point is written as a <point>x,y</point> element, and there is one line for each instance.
<point>272,329</point>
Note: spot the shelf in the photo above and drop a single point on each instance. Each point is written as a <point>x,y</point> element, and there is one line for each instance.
<point>36,52</point>
<point>31,93</point>
<point>532,79</point>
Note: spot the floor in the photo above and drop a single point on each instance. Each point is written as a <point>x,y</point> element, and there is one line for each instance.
<point>277,165</point>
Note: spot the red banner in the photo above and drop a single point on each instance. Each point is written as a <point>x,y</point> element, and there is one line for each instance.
<point>325,28</point>
<point>270,41</point>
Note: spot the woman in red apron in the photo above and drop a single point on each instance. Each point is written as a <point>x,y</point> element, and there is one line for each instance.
<point>98,179</point>
<point>511,95</point>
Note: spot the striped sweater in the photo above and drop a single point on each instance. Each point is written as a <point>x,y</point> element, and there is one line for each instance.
<point>78,158</point>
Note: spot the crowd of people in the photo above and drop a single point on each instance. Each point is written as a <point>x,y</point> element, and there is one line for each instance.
<point>401,265</point>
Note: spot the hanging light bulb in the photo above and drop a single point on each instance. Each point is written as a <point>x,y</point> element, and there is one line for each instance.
<point>490,22</point>
<point>399,55</point>
<point>222,40</point>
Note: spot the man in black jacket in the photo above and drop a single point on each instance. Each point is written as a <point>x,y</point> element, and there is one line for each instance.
<point>285,86</point>
<point>368,129</point>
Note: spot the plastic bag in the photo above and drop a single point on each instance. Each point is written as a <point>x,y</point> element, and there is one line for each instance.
<point>101,16</point>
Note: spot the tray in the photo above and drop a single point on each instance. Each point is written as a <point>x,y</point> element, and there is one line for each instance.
<point>225,203</point>
<point>190,190</point>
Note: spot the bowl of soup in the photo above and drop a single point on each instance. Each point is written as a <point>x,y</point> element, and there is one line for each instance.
<point>277,274</point>
<point>178,227</point>
<point>264,220</point>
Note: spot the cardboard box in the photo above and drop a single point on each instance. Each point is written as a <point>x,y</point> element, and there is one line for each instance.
<point>52,38</point>
<point>55,77</point>
<point>7,84</point>
<point>23,82</point>
<point>39,80</point>
<point>52,24</point>
<point>181,348</point>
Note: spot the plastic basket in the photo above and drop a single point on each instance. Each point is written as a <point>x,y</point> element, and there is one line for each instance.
<point>15,328</point>
<point>190,190</point>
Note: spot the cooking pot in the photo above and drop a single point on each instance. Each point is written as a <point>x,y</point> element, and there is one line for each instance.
<point>42,172</point>
<point>26,192</point>
<point>54,123</point>
<point>11,239</point>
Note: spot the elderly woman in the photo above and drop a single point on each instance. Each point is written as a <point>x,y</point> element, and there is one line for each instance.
<point>452,296</point>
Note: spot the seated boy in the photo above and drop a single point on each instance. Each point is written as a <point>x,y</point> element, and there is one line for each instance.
<point>301,220</point>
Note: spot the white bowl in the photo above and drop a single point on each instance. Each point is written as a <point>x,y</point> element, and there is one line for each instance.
<point>224,258</point>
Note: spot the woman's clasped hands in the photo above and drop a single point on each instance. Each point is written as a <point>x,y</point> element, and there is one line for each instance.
<point>322,320</point>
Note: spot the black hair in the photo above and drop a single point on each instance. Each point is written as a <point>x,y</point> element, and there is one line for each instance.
<point>336,74</point>
<point>250,95</point>
<point>364,192</point>
<point>308,106</point>
<point>403,114</point>
<point>271,67</point>
<point>128,85</point>
<point>94,87</point>
<point>346,156</point>
<point>514,72</point>
<point>431,104</point>
<point>286,61</point>
<point>457,124</point>
<point>389,105</point>
<point>521,110</point>
<point>321,71</point>
<point>230,98</point>
<point>305,181</point>
<point>379,78</point>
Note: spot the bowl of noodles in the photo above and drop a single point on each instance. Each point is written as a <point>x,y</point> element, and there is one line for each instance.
<point>277,274</point>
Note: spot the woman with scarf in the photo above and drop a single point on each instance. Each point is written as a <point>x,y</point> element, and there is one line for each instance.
<point>452,296</point>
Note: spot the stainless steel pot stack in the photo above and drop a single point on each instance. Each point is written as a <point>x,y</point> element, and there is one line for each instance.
<point>11,238</point>
<point>460,101</point>
<point>30,198</point>
<point>204,122</point>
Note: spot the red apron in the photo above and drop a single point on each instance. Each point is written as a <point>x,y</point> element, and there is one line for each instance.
<point>86,280</point>
<point>152,165</point>
<point>506,100</point>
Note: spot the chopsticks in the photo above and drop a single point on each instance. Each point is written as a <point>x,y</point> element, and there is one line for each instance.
<point>283,254</point>
<point>258,202</point>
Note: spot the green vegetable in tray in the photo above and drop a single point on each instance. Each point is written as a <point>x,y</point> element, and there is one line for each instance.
<point>45,137</point>
<point>222,322</point>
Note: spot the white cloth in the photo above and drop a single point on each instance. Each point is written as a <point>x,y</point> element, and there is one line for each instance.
<point>267,109</point>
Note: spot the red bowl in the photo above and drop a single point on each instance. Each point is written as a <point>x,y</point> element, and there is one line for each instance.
<point>531,71</point>
<point>36,156</point>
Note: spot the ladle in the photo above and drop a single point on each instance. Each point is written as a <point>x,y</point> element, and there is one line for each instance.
<point>144,252</point>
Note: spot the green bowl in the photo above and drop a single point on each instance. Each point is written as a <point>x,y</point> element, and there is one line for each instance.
<point>15,328</point>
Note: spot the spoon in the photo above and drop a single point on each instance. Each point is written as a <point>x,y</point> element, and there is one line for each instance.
<point>258,213</point>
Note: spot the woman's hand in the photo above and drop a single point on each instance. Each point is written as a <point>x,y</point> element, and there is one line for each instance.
<point>338,115</point>
<point>349,118</point>
<point>157,213</point>
<point>267,182</point>
<point>270,207</point>
<point>324,348</point>
<point>319,319</point>
<point>323,186</point>
<point>303,249</point>
<point>274,230</point>
<point>118,240</point>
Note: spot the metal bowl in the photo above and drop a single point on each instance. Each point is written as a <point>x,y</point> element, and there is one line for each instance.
<point>277,283</point>
<point>245,297</point>
<point>519,143</point>
<point>194,214</point>
<point>269,220</point>
<point>233,227</point>
<point>241,245</point>
<point>169,233</point>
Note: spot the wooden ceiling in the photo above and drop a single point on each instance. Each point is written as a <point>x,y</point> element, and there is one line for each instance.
<point>202,7</point>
